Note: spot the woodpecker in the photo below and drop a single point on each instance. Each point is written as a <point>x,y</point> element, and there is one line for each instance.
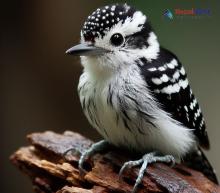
<point>136,94</point>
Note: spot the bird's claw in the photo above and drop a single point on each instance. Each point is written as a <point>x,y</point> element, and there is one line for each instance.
<point>82,172</point>
<point>129,164</point>
<point>170,159</point>
<point>144,161</point>
<point>95,148</point>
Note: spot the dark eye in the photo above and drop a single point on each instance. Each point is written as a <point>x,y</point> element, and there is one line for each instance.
<point>117,39</point>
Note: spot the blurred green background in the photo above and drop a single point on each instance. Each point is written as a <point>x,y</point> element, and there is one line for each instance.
<point>38,81</point>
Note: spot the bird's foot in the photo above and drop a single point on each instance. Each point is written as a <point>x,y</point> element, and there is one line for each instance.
<point>144,161</point>
<point>95,148</point>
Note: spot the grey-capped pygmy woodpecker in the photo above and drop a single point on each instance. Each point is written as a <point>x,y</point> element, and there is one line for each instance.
<point>136,94</point>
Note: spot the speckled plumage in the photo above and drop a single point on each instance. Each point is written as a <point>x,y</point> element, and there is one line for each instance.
<point>104,18</point>
<point>167,78</point>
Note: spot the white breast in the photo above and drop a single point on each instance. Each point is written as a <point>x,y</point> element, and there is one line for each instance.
<point>124,113</point>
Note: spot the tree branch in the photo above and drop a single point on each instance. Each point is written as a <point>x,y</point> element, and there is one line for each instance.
<point>44,162</point>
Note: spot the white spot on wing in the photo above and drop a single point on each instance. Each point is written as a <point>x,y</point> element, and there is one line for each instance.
<point>156,81</point>
<point>171,89</point>
<point>171,65</point>
<point>162,68</point>
<point>175,87</point>
<point>182,71</point>
<point>164,78</point>
<point>193,104</point>
<point>152,69</point>
<point>183,83</point>
<point>176,75</point>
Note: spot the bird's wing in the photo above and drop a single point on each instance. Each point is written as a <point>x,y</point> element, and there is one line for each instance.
<point>168,82</point>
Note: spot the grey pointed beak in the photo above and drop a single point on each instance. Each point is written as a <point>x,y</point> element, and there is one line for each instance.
<point>86,50</point>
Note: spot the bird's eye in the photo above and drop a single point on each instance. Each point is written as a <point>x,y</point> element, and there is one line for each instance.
<point>117,39</point>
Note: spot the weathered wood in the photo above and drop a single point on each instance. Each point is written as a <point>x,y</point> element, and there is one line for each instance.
<point>50,171</point>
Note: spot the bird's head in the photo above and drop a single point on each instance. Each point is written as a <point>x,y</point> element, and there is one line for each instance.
<point>114,37</point>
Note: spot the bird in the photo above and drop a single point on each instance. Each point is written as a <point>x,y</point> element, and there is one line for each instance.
<point>136,93</point>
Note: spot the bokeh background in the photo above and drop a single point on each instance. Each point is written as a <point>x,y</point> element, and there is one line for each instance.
<point>38,81</point>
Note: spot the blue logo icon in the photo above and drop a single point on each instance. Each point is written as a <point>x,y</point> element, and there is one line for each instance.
<point>168,14</point>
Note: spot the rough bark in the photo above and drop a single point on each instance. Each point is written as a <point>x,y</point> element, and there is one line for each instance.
<point>50,171</point>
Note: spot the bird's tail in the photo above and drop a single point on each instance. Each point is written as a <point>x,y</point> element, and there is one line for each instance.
<point>198,161</point>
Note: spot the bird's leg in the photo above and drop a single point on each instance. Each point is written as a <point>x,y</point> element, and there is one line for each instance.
<point>144,161</point>
<point>95,148</point>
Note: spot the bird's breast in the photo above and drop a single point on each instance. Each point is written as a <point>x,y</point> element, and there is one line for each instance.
<point>111,109</point>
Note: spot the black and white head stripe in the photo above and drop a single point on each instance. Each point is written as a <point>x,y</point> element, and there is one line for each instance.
<point>120,16</point>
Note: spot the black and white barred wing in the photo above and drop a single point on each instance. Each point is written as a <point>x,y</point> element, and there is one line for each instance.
<point>168,82</point>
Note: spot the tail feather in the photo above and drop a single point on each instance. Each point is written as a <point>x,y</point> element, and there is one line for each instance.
<point>198,161</point>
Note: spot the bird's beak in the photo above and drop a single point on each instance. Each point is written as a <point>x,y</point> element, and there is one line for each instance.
<point>86,50</point>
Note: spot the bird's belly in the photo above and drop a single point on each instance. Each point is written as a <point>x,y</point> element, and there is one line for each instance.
<point>113,130</point>
<point>117,129</point>
<point>112,125</point>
